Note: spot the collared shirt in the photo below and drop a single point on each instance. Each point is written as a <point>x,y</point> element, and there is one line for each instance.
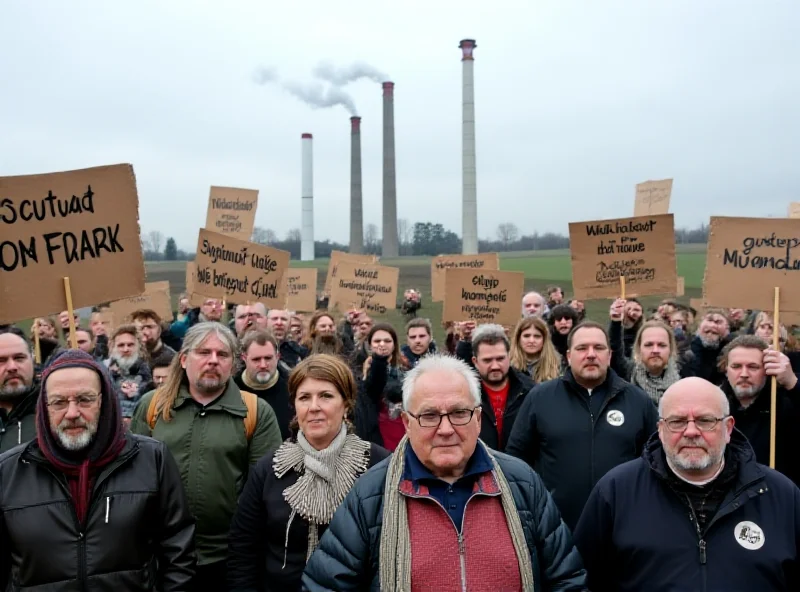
<point>453,498</point>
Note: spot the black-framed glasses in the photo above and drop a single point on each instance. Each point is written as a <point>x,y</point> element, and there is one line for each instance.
<point>704,424</point>
<point>457,417</point>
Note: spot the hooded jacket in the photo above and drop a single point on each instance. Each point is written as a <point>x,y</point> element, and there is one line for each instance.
<point>636,533</point>
<point>569,446</point>
<point>19,425</point>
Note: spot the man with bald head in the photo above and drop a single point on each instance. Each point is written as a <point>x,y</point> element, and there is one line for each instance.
<point>533,305</point>
<point>291,352</point>
<point>695,512</point>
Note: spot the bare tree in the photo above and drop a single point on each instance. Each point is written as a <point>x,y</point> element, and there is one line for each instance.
<point>404,232</point>
<point>264,236</point>
<point>507,233</point>
<point>371,237</point>
<point>294,235</point>
<point>156,241</point>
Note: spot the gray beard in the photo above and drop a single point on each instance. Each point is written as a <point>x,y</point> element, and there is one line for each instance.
<point>261,377</point>
<point>75,443</point>
<point>710,342</point>
<point>10,393</point>
<point>747,392</point>
<point>124,364</point>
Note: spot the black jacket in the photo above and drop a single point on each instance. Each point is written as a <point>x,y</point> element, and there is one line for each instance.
<point>519,385</point>
<point>637,533</point>
<point>570,447</point>
<point>347,558</point>
<point>19,426</point>
<point>139,534</point>
<point>257,548</point>
<point>702,361</point>
<point>291,353</point>
<point>371,393</point>
<point>754,423</point>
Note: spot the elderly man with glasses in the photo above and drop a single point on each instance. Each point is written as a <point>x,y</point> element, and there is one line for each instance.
<point>695,512</point>
<point>445,511</point>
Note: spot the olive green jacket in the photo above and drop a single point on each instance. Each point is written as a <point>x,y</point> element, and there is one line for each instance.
<point>211,449</point>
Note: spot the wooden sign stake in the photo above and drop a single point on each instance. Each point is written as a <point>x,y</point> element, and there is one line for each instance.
<point>622,286</point>
<point>773,409</point>
<point>37,345</point>
<point>73,337</point>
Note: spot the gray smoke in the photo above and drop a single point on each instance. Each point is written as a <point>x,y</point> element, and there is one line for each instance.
<point>314,94</point>
<point>342,76</point>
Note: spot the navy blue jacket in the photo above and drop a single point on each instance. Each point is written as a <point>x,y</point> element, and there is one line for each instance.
<point>571,447</point>
<point>636,534</point>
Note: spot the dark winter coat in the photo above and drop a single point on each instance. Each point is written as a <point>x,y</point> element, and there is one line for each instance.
<point>19,425</point>
<point>371,396</point>
<point>702,361</point>
<point>519,385</point>
<point>636,533</point>
<point>571,447</point>
<point>258,532</point>
<point>412,358</point>
<point>139,534</point>
<point>347,558</point>
<point>291,353</point>
<point>277,397</point>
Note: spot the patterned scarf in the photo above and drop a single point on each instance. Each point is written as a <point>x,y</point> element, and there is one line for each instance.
<point>326,476</point>
<point>655,386</point>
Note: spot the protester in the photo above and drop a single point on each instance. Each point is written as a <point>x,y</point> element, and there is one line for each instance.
<point>46,327</point>
<point>214,431</point>
<point>533,305</point>
<point>555,296</point>
<point>85,506</point>
<point>63,321</point>
<point>749,362</point>
<point>445,511</point>
<point>695,512</point>
<point>322,337</point>
<point>579,307</point>
<point>248,316</point>
<point>712,336</point>
<point>262,375</point>
<point>291,351</point>
<point>84,340</point>
<point>532,351</point>
<point>560,321</point>
<point>574,429</point>
<point>763,326</point>
<point>291,494</point>
<point>160,372</point>
<point>128,367</point>
<point>149,329</point>
<point>97,325</point>
<point>19,390</point>
<point>631,323</point>
<point>419,340</point>
<point>297,327</point>
<point>211,310</point>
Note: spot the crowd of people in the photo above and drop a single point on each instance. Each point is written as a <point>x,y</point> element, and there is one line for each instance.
<point>252,449</point>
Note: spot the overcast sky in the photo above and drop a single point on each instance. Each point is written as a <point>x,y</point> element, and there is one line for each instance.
<point>576,101</point>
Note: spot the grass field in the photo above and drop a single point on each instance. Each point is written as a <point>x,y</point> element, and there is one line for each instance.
<point>541,268</point>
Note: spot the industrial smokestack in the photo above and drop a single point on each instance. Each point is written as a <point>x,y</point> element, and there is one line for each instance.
<point>307,195</point>
<point>356,210</point>
<point>390,242</point>
<point>469,199</point>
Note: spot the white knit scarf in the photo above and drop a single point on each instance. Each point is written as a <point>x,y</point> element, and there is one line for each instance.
<point>325,478</point>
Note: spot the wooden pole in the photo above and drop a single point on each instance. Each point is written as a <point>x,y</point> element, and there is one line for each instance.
<point>37,345</point>
<point>73,337</point>
<point>622,286</point>
<point>773,406</point>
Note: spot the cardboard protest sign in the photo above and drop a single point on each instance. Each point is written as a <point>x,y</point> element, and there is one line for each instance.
<point>340,256</point>
<point>482,262</point>
<point>652,198</point>
<point>106,317</point>
<point>794,209</point>
<point>642,249</point>
<point>681,289</point>
<point>195,299</point>
<point>365,286</point>
<point>748,258</point>
<point>156,297</point>
<point>302,289</point>
<point>81,224</point>
<point>483,296</point>
<point>232,211</point>
<point>239,271</point>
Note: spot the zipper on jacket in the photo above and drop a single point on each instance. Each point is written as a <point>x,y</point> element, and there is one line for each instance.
<point>701,542</point>
<point>19,432</point>
<point>108,507</point>
<point>462,557</point>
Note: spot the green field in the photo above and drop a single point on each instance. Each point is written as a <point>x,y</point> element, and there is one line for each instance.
<point>541,268</point>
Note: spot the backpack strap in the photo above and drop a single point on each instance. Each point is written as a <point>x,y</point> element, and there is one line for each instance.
<point>151,412</point>
<point>251,402</point>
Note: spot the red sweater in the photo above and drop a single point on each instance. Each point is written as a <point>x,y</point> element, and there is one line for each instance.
<point>480,559</point>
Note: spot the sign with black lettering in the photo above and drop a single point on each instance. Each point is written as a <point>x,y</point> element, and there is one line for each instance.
<point>652,198</point>
<point>642,249</point>
<point>483,261</point>
<point>339,256</point>
<point>748,258</point>
<point>302,288</point>
<point>156,297</point>
<point>239,271</point>
<point>483,296</point>
<point>81,224</point>
<point>366,287</point>
<point>232,211</point>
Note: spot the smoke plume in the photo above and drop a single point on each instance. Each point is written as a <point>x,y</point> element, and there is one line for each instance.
<point>342,76</point>
<point>314,94</point>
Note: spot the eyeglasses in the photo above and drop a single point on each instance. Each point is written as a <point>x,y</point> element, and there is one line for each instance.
<point>704,424</point>
<point>82,401</point>
<point>457,417</point>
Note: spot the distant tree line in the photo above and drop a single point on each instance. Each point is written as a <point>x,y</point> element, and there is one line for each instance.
<point>421,238</point>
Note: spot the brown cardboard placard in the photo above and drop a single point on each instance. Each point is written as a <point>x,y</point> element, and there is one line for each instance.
<point>81,224</point>
<point>642,249</point>
<point>484,296</point>
<point>652,198</point>
<point>195,299</point>
<point>340,256</point>
<point>748,258</point>
<point>232,211</point>
<point>482,262</point>
<point>302,289</point>
<point>681,289</point>
<point>794,209</point>
<point>369,287</point>
<point>239,271</point>
<point>156,297</point>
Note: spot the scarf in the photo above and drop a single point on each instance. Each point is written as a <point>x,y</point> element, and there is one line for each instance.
<point>273,380</point>
<point>395,548</point>
<point>81,467</point>
<point>654,386</point>
<point>326,476</point>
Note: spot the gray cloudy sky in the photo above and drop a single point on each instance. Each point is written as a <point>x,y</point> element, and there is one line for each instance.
<point>576,101</point>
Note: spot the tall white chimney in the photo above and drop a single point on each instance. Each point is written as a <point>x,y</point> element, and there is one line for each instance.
<point>307,195</point>
<point>469,199</point>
